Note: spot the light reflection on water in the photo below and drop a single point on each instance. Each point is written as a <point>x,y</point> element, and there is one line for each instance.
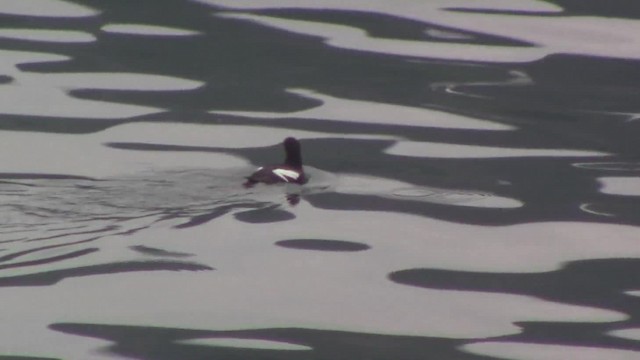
<point>447,212</point>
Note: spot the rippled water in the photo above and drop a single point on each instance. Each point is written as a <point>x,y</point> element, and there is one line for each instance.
<point>473,186</point>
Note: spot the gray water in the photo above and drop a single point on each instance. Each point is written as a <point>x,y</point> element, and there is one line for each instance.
<point>473,186</point>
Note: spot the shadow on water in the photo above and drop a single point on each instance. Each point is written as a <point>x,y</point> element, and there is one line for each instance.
<point>55,276</point>
<point>595,283</point>
<point>323,245</point>
<point>170,343</point>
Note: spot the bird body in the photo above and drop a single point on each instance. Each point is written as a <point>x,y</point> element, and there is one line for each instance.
<point>289,172</point>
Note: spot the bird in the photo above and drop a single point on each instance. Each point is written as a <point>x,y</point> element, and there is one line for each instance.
<point>289,172</point>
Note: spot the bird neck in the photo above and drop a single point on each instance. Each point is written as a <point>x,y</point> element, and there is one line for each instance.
<point>294,160</point>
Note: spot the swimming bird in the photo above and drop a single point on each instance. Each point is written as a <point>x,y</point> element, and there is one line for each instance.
<point>289,172</point>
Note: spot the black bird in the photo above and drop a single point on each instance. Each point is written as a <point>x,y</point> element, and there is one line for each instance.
<point>289,172</point>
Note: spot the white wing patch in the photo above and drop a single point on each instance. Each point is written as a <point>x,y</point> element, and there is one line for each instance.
<point>286,175</point>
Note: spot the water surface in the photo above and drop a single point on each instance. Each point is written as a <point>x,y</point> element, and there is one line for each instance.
<point>473,180</point>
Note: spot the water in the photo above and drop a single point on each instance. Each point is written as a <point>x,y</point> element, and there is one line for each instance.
<point>473,191</point>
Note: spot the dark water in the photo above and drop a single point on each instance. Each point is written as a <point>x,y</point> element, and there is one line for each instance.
<point>474,187</point>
